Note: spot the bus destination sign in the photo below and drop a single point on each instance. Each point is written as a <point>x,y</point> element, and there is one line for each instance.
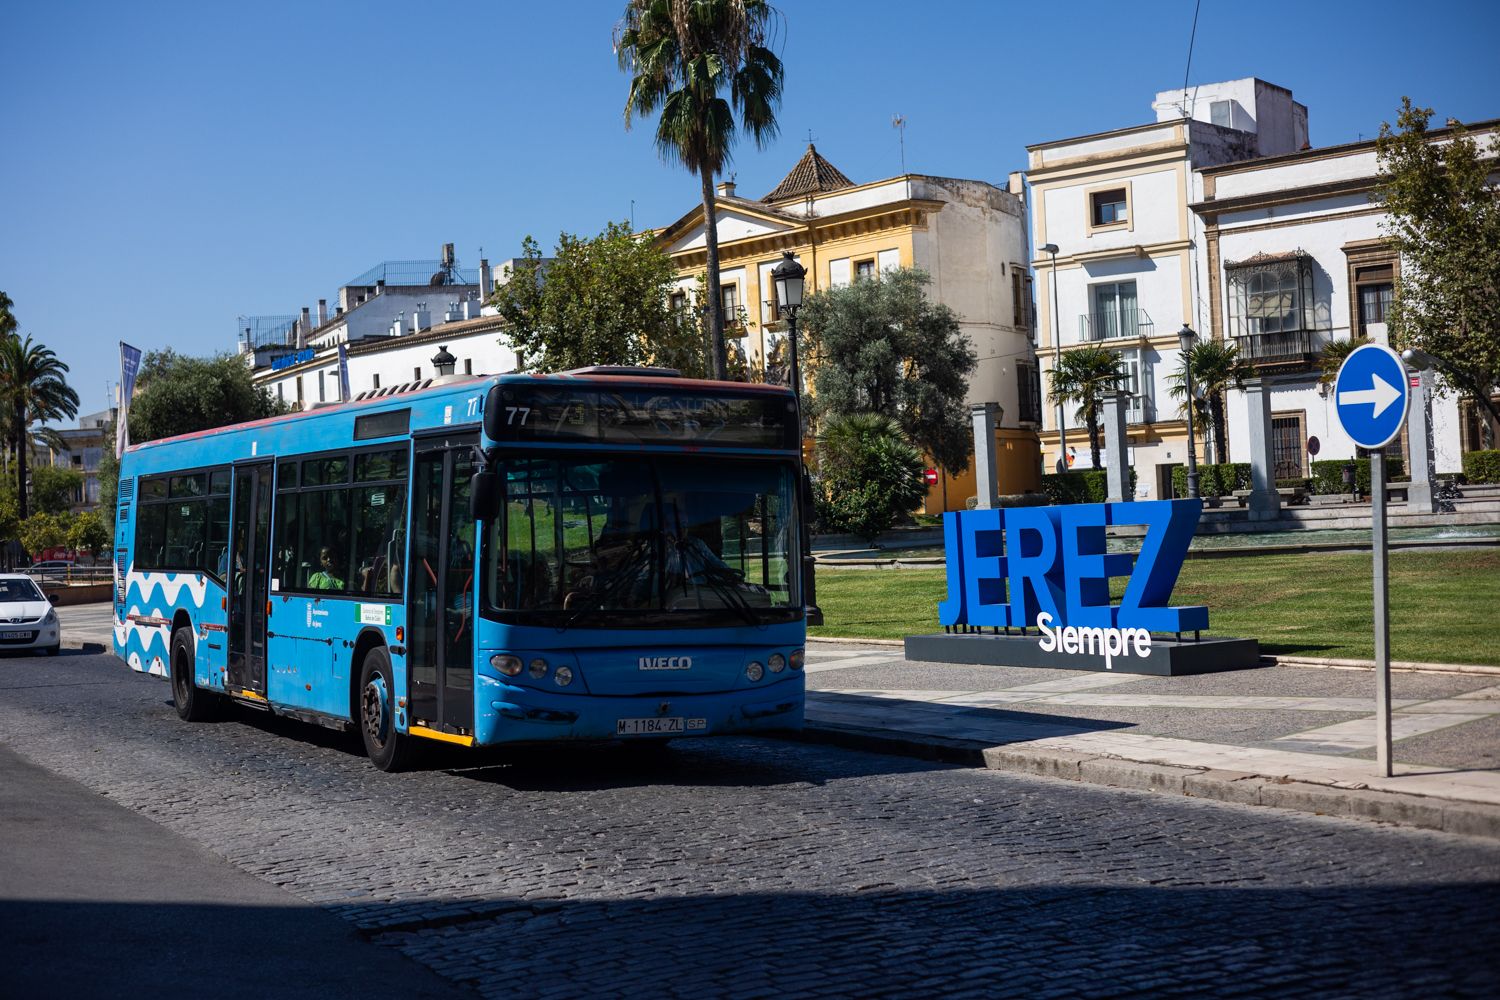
<point>637,415</point>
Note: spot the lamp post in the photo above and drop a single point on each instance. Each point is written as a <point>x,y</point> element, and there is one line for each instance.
<point>1062,434</point>
<point>443,361</point>
<point>1186,337</point>
<point>789,277</point>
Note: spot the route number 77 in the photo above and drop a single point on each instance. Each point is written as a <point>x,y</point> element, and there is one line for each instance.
<point>516,416</point>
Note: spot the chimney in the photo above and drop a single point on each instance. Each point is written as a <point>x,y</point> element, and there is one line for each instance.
<point>726,189</point>
<point>486,280</point>
<point>379,286</point>
<point>322,311</point>
<point>306,321</point>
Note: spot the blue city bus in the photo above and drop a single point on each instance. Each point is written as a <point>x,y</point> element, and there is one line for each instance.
<point>605,555</point>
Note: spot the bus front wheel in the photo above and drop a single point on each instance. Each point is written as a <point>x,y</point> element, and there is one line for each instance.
<point>387,749</point>
<point>193,704</point>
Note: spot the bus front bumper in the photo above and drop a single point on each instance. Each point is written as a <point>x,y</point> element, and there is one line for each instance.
<point>510,714</point>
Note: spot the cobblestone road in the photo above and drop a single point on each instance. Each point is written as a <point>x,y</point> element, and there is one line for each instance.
<point>751,868</point>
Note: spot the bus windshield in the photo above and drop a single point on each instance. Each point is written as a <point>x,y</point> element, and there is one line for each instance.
<point>645,541</point>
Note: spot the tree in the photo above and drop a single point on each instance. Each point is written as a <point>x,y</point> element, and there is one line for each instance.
<point>177,394</point>
<point>869,476</point>
<point>599,301</point>
<point>1082,377</point>
<point>44,531</point>
<point>1333,356</point>
<point>1217,367</point>
<point>1443,217</point>
<point>682,55</point>
<point>89,532</point>
<point>32,390</point>
<point>53,488</point>
<point>883,347</point>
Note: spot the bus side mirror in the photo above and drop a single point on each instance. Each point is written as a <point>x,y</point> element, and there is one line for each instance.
<point>484,495</point>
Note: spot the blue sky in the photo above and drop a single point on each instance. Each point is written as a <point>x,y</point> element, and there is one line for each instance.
<point>168,167</point>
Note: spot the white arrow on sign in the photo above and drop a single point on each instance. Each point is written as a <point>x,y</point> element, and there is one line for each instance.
<point>1381,393</point>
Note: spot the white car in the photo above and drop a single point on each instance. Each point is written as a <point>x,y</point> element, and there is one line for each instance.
<point>27,619</point>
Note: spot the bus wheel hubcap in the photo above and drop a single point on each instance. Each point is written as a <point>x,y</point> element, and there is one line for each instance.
<point>377,720</point>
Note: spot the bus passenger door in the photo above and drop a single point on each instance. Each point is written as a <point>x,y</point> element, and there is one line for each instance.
<point>249,566</point>
<point>441,586</point>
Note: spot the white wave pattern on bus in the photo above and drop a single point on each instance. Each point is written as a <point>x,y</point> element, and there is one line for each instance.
<point>155,596</point>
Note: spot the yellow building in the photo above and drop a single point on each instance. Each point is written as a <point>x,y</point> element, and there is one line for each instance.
<point>970,236</point>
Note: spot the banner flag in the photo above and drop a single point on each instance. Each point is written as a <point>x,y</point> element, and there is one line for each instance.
<point>343,373</point>
<point>130,364</point>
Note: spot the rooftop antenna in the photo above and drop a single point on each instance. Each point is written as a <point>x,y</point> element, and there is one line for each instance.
<point>632,215</point>
<point>898,122</point>
<point>1188,69</point>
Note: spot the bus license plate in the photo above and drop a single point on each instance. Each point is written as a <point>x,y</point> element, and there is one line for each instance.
<point>649,727</point>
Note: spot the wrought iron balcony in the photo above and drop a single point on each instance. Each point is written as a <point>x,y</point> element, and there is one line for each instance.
<point>1115,324</point>
<point>1288,349</point>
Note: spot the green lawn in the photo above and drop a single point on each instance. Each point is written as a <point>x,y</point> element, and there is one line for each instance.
<point>1445,606</point>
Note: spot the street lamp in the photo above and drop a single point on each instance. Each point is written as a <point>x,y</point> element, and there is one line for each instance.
<point>443,361</point>
<point>789,277</point>
<point>1186,337</point>
<point>1062,434</point>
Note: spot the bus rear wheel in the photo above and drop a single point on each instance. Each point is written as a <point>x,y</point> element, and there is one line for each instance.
<point>387,748</point>
<point>193,703</point>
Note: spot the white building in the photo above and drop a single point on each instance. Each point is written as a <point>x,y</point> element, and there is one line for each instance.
<point>1128,270</point>
<point>392,322</point>
<point>1297,258</point>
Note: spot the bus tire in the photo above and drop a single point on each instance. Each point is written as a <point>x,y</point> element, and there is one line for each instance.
<point>193,703</point>
<point>388,749</point>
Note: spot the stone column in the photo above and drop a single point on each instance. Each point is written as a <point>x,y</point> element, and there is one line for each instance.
<point>985,416</point>
<point>1265,502</point>
<point>1117,473</point>
<point>1419,442</point>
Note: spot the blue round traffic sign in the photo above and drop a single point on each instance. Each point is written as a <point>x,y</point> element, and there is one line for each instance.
<point>1370,395</point>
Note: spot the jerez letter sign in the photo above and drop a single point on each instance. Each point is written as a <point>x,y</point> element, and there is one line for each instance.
<point>1048,568</point>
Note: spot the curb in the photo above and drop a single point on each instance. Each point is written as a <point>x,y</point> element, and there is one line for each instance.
<point>1472,819</point>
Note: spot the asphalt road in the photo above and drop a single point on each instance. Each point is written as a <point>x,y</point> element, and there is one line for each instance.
<point>750,867</point>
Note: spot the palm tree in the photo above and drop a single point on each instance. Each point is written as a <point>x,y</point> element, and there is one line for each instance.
<point>1082,376</point>
<point>1217,367</point>
<point>681,55</point>
<point>1333,356</point>
<point>32,389</point>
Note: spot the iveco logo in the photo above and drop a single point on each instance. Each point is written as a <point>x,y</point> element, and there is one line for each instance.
<point>666,663</point>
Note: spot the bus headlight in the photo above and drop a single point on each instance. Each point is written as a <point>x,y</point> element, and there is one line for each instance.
<point>798,655</point>
<point>755,671</point>
<point>508,665</point>
<point>563,676</point>
<point>777,663</point>
<point>538,668</point>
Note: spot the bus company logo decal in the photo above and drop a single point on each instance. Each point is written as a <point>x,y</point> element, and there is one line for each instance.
<point>666,663</point>
<point>1049,566</point>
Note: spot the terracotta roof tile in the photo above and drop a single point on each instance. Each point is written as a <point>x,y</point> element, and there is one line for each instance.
<point>811,175</point>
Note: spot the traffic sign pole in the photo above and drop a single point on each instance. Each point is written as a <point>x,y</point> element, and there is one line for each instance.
<point>1382,615</point>
<point>1371,397</point>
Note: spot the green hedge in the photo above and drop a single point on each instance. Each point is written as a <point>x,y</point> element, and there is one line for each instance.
<point>1482,466</point>
<point>1086,486</point>
<point>1213,480</point>
<point>1328,477</point>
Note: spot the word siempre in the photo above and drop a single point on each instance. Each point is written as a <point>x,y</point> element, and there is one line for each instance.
<point>1008,566</point>
<point>1106,642</point>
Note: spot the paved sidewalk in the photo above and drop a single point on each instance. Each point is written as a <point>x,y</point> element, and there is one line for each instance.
<point>1298,737</point>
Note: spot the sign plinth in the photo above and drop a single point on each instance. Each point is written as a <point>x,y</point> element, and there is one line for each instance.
<point>1165,658</point>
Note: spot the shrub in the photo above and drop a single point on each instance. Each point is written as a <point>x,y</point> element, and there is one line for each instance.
<point>1482,466</point>
<point>1305,485</point>
<point>1080,486</point>
<point>1328,476</point>
<point>869,475</point>
<point>1214,480</point>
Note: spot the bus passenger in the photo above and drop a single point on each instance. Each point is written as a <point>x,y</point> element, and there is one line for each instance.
<point>324,579</point>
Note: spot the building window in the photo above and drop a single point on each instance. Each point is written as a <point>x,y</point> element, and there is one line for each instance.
<point>864,270</point>
<point>1109,208</point>
<point>468,366</point>
<point>1374,288</point>
<point>1139,407</point>
<point>729,295</point>
<point>299,390</point>
<point>678,302</point>
<point>281,391</point>
<point>1287,451</point>
<point>1272,313</point>
<point>321,397</point>
<point>1017,288</point>
<point>1029,392</point>
<point>1114,312</point>
<point>377,380</point>
<point>416,374</point>
<point>1028,303</point>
